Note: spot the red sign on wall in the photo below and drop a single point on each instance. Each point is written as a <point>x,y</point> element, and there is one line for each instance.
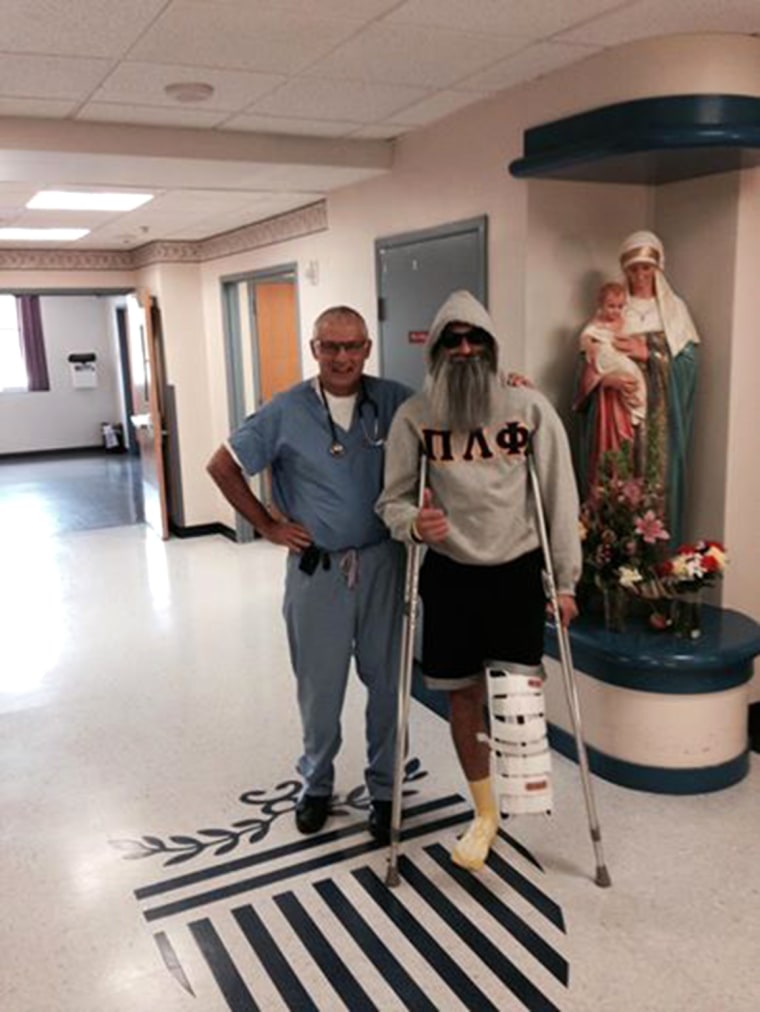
<point>418,336</point>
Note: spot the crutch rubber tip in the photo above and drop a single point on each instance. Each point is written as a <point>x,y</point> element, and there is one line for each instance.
<point>392,877</point>
<point>603,879</point>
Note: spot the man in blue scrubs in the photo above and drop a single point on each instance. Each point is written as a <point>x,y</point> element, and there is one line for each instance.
<point>324,442</point>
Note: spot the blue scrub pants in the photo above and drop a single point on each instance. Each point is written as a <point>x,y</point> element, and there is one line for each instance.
<point>328,622</point>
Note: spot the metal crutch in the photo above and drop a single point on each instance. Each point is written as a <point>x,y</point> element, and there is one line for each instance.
<point>406,666</point>
<point>602,877</point>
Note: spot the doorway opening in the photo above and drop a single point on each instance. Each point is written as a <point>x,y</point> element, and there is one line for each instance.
<point>69,455</point>
<point>262,351</point>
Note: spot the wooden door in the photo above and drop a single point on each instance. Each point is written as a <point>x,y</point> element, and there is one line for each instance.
<point>277,359</point>
<point>276,337</point>
<point>147,418</point>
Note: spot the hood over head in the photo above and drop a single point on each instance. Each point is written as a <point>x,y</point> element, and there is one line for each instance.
<point>460,307</point>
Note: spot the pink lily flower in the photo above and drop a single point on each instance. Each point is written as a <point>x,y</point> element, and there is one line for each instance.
<point>651,528</point>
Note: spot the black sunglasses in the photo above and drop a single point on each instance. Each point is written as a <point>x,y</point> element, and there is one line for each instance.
<point>476,337</point>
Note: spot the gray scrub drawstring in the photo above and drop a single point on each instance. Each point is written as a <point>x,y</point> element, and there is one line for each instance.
<point>349,567</point>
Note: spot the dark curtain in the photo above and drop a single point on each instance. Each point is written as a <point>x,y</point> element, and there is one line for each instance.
<point>32,342</point>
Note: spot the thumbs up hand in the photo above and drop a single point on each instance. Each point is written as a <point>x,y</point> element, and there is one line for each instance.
<point>430,524</point>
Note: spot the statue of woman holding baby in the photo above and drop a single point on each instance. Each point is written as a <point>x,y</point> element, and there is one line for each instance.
<point>651,327</point>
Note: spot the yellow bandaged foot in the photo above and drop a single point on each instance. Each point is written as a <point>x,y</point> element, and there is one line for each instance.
<point>472,850</point>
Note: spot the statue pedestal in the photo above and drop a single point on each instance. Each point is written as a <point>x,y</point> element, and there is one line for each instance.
<point>659,713</point>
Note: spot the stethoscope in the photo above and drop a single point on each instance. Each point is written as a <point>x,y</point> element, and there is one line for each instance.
<point>336,448</point>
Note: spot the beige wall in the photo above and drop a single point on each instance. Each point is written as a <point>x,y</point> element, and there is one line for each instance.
<point>742,410</point>
<point>697,220</point>
<point>574,232</point>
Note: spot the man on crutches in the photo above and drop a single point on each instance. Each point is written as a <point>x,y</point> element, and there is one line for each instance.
<point>481,582</point>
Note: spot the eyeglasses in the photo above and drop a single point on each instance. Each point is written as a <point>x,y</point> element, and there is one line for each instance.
<point>331,349</point>
<point>476,337</point>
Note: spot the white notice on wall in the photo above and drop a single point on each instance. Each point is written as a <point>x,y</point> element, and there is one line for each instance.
<point>84,375</point>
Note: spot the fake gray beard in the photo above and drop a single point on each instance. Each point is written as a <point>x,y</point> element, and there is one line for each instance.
<point>460,392</point>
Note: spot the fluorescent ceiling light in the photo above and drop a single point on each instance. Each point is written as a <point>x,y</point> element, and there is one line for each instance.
<point>43,234</point>
<point>78,200</point>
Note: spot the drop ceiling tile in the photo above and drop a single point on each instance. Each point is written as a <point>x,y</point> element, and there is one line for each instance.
<point>75,27</point>
<point>196,202</point>
<point>652,17</point>
<point>528,20</point>
<point>49,76</point>
<point>16,193</point>
<point>361,10</point>
<point>37,108</point>
<point>354,10</point>
<point>144,83</point>
<point>382,131</point>
<point>436,107</point>
<point>64,219</point>
<point>9,215</point>
<point>263,206</point>
<point>318,98</point>
<point>289,125</point>
<point>245,37</point>
<point>320,178</point>
<point>416,56</point>
<point>532,62</point>
<point>177,115</point>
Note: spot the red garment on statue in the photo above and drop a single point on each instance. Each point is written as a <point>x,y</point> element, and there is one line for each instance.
<point>613,425</point>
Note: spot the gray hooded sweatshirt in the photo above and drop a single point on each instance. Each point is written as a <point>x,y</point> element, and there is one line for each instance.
<point>481,478</point>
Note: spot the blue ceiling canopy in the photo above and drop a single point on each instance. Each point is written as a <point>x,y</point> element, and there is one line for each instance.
<point>649,140</point>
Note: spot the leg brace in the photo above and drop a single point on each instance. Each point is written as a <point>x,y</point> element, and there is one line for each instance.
<point>520,760</point>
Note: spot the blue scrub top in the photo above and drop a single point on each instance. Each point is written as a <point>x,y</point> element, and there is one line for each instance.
<point>333,497</point>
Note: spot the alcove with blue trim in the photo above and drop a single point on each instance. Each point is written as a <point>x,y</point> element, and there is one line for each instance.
<point>660,714</point>
<point>649,141</point>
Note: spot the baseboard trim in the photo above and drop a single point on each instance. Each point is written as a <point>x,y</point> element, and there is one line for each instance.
<point>202,531</point>
<point>66,451</point>
<point>654,779</point>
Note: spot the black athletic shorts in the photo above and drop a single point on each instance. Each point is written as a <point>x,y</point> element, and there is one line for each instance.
<point>477,613</point>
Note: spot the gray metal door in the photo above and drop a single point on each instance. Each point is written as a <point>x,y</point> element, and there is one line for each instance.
<point>415,273</point>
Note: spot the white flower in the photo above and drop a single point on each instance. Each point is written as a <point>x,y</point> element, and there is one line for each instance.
<point>629,576</point>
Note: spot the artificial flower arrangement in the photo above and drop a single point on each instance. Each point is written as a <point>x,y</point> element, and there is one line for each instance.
<point>622,531</point>
<point>626,554</point>
<point>693,567</point>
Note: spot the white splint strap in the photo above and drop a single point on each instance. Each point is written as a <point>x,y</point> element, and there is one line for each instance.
<point>523,765</point>
<point>509,683</point>
<point>517,706</point>
<point>520,758</point>
<point>519,730</point>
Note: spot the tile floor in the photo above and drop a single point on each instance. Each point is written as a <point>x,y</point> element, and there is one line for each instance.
<point>148,858</point>
<point>59,492</point>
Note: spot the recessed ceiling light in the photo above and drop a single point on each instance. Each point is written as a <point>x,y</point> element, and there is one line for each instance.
<point>79,200</point>
<point>189,91</point>
<point>43,234</point>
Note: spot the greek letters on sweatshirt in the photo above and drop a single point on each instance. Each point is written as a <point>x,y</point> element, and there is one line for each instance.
<point>481,480</point>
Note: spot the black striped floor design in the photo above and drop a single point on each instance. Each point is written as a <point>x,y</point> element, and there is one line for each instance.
<point>311,925</point>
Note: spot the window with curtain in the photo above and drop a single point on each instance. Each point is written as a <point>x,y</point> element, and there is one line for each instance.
<point>23,363</point>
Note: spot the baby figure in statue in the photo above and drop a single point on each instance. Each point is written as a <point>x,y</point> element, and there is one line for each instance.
<point>597,343</point>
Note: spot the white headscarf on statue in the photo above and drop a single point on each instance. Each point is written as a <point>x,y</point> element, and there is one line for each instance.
<point>646,247</point>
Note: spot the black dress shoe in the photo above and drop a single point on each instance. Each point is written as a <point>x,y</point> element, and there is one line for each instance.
<point>311,812</point>
<point>380,820</point>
